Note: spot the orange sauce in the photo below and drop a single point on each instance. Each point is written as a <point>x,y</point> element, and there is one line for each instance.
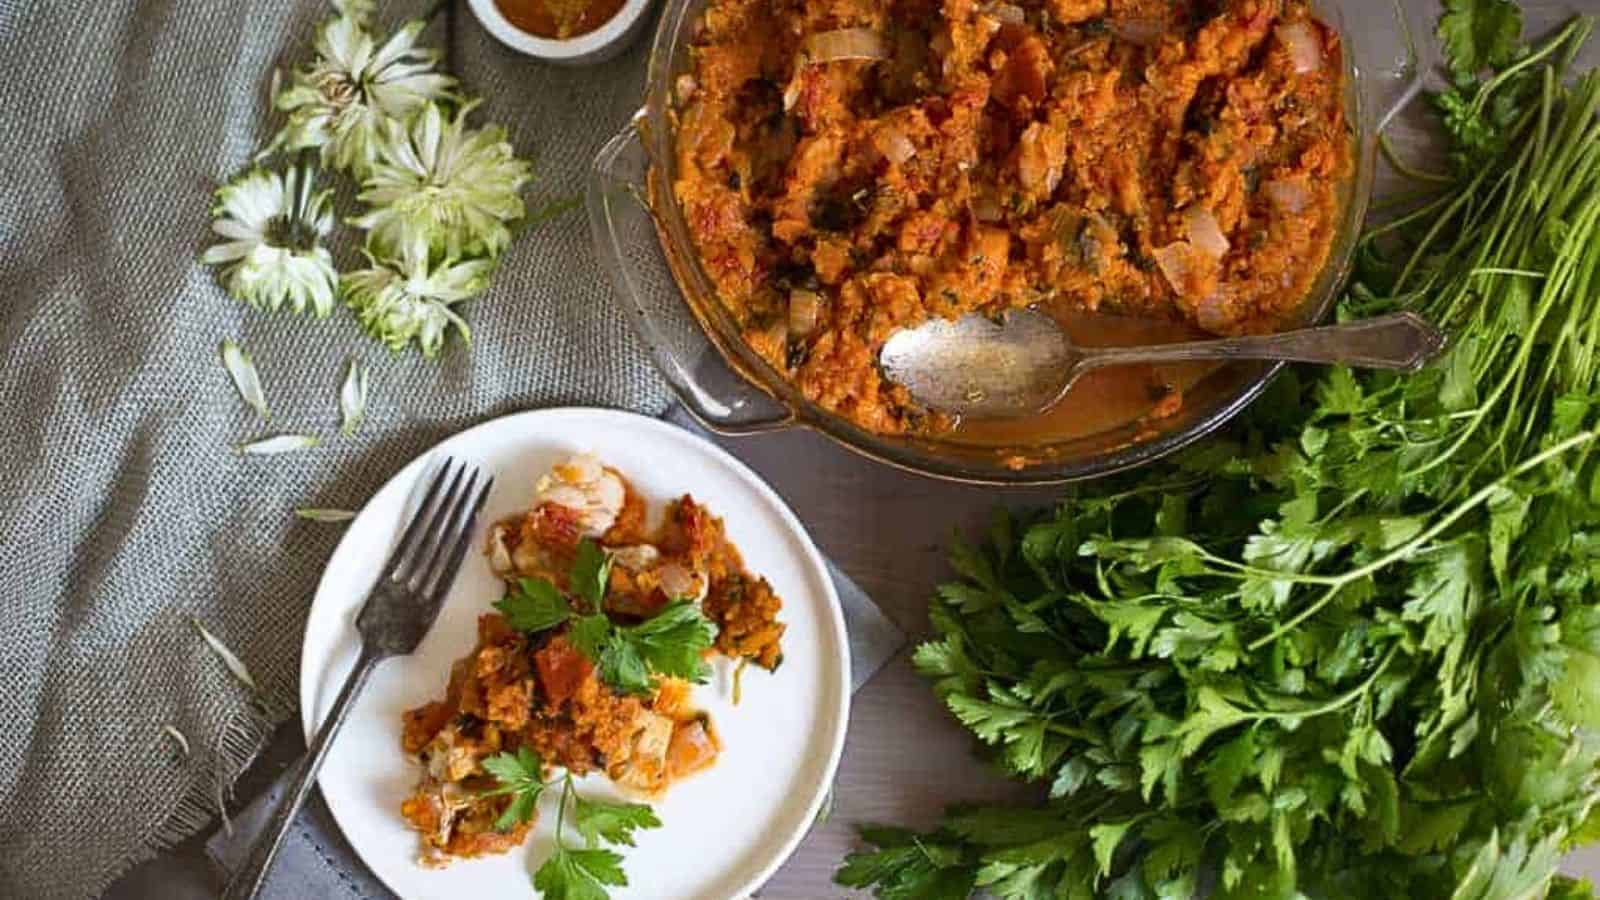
<point>1103,399</point>
<point>558,19</point>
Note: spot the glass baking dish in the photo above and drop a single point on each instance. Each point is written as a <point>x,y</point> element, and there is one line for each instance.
<point>643,243</point>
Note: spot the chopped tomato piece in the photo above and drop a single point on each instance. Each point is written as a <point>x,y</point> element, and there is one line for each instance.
<point>693,747</point>
<point>561,670</point>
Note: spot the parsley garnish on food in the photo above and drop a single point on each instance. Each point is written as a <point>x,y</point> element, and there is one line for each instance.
<point>672,642</point>
<point>590,573</point>
<point>534,604</point>
<point>521,775</point>
<point>584,874</point>
<point>614,823</point>
<point>1351,648</point>
<point>568,874</point>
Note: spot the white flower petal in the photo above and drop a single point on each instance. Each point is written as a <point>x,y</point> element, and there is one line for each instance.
<point>353,398</point>
<point>242,370</point>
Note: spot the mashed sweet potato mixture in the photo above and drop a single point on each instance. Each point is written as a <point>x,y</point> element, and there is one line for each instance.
<point>536,690</point>
<point>851,167</point>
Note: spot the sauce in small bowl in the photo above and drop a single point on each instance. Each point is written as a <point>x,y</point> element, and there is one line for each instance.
<point>558,19</point>
<point>563,32</point>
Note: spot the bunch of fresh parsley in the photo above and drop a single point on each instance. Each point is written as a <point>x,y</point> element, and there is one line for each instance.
<point>1352,649</point>
<point>568,873</point>
<point>673,642</point>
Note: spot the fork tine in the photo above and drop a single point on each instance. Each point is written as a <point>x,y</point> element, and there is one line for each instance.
<point>401,561</point>
<point>437,537</point>
<point>434,588</point>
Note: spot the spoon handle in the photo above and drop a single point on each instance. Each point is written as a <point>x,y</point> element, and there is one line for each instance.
<point>1401,341</point>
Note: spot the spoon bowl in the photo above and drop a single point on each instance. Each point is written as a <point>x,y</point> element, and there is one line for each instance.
<point>1023,362</point>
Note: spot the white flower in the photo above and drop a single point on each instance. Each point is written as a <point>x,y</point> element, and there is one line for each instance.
<point>397,305</point>
<point>441,186</point>
<point>341,102</point>
<point>273,225</point>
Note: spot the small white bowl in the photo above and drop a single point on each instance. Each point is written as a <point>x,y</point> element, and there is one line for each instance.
<point>598,45</point>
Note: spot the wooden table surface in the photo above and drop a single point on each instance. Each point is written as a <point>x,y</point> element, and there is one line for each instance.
<point>905,759</point>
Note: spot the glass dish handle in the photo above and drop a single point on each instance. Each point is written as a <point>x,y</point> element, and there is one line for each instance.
<point>628,246</point>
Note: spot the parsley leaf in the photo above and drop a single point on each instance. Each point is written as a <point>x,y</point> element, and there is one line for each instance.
<point>589,634</point>
<point>614,823</point>
<point>534,604</point>
<point>522,775</point>
<point>579,874</point>
<point>672,643</point>
<point>590,573</point>
<point>1479,35</point>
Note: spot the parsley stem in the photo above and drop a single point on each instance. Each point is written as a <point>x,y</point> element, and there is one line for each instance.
<point>561,809</point>
<point>1405,168</point>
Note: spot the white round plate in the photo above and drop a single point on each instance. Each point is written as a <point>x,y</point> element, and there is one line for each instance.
<point>725,830</point>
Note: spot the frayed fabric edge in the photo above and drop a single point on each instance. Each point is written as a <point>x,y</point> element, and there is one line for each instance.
<point>238,743</point>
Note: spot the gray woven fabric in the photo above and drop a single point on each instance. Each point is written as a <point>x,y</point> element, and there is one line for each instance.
<point>124,511</point>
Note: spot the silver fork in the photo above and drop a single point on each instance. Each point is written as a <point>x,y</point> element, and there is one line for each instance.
<point>398,612</point>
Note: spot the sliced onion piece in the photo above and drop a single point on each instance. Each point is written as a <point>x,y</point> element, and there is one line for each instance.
<point>845,43</point>
<point>1212,312</point>
<point>804,309</point>
<point>1305,48</point>
<point>986,207</point>
<point>895,146</point>
<point>1289,195</point>
<point>1006,12</point>
<point>1173,260</point>
<point>1144,32</point>
<point>791,93</point>
<point>685,87</point>
<point>1204,232</point>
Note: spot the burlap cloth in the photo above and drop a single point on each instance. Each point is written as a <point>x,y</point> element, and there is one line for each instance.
<point>125,509</point>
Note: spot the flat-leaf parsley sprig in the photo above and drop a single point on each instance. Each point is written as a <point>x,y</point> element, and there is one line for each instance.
<point>584,874</point>
<point>439,196</point>
<point>568,873</point>
<point>672,643</point>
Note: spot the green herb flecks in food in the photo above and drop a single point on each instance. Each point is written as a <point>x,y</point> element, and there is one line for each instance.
<point>1351,649</point>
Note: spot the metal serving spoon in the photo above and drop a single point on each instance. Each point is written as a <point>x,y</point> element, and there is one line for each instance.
<point>1024,363</point>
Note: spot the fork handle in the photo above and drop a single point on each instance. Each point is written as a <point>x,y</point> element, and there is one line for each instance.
<point>247,882</point>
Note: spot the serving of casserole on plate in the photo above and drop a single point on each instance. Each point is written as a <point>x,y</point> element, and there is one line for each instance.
<point>539,660</point>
